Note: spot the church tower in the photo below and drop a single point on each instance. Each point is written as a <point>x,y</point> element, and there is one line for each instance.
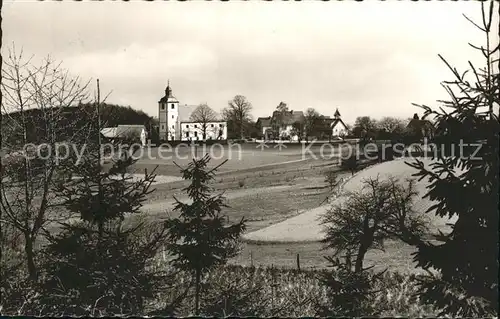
<point>168,114</point>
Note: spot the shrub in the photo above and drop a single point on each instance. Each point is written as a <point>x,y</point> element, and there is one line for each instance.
<point>88,273</point>
<point>331,179</point>
<point>351,163</point>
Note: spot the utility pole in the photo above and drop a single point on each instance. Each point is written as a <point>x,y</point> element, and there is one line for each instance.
<point>99,119</point>
<point>99,186</point>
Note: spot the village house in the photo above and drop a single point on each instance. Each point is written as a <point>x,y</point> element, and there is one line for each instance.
<point>263,124</point>
<point>281,125</point>
<point>420,128</point>
<point>175,122</point>
<point>287,125</point>
<point>339,129</point>
<point>132,132</point>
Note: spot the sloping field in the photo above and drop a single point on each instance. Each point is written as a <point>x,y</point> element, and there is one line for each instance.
<point>159,179</point>
<point>306,226</point>
<point>239,157</point>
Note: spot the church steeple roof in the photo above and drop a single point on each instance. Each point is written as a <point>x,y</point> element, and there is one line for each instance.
<point>168,90</point>
<point>337,114</point>
<point>169,97</point>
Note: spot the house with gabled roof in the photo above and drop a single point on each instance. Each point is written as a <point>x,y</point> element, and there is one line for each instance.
<point>284,123</point>
<point>420,128</point>
<point>339,129</point>
<point>263,124</point>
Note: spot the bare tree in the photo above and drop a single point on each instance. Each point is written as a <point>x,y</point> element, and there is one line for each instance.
<point>282,107</point>
<point>364,127</point>
<point>35,110</point>
<point>380,210</point>
<point>203,115</point>
<point>238,112</point>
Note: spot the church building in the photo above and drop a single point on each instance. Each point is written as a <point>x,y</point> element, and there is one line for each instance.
<point>339,129</point>
<point>175,122</point>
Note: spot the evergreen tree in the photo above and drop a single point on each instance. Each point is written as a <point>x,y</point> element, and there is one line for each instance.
<point>350,163</point>
<point>467,258</point>
<point>100,263</point>
<point>201,238</point>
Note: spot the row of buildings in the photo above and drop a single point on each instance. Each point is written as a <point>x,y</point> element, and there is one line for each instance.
<point>175,122</point>
<point>284,125</point>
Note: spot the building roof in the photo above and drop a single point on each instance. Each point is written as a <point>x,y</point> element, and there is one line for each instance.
<point>168,95</point>
<point>264,121</point>
<point>109,132</point>
<point>328,120</point>
<point>290,117</point>
<point>122,131</point>
<point>337,113</point>
<point>185,112</point>
<point>418,124</point>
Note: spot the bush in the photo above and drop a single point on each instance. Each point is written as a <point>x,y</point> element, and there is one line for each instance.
<point>350,163</point>
<point>88,273</point>
<point>331,179</point>
<point>279,292</point>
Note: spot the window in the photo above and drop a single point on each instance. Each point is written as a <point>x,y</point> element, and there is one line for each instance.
<point>220,125</point>
<point>187,126</point>
<point>162,127</point>
<point>195,126</point>
<point>172,106</point>
<point>172,116</point>
<point>187,134</point>
<point>195,134</point>
<point>173,126</point>
<point>212,125</point>
<point>162,106</point>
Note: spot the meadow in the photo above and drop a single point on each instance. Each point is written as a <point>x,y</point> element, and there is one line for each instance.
<point>281,199</point>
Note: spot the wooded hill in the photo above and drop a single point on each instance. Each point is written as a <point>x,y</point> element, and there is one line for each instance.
<point>66,122</point>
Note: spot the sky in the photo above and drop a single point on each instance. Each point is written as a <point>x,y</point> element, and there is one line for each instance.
<point>364,58</point>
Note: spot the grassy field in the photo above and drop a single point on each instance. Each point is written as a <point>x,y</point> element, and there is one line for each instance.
<point>307,226</point>
<point>267,192</point>
<point>239,157</point>
<point>278,194</point>
<point>267,196</point>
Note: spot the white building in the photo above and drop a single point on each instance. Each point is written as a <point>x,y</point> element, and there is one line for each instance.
<point>175,122</point>
<point>131,131</point>
<point>339,129</point>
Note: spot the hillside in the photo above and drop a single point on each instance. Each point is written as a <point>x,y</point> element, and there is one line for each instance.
<point>307,227</point>
<point>69,120</point>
